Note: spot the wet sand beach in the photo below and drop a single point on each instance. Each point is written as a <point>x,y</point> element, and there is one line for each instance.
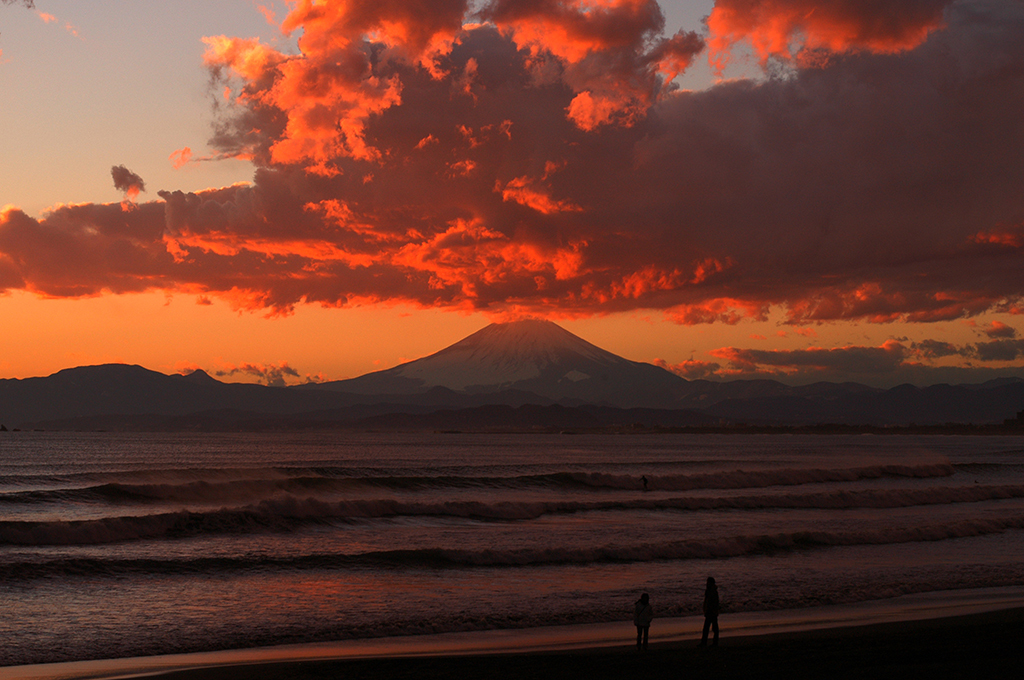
<point>974,646</point>
<point>954,634</point>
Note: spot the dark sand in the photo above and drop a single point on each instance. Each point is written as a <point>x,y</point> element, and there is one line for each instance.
<point>988,645</point>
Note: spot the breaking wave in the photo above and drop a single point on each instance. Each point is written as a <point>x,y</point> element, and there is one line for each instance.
<point>439,558</point>
<point>290,513</point>
<point>326,482</point>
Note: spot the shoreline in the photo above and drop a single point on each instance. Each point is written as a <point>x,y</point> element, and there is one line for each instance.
<point>883,633</point>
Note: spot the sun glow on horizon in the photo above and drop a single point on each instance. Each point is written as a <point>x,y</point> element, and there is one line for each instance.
<point>779,191</point>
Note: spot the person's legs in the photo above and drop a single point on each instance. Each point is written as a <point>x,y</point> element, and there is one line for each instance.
<point>639,636</point>
<point>647,630</point>
<point>704,635</point>
<point>714,627</point>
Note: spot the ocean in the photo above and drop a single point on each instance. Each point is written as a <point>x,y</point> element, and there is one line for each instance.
<point>117,544</point>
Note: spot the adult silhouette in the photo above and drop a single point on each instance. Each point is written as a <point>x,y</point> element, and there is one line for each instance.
<point>711,608</point>
<point>643,614</point>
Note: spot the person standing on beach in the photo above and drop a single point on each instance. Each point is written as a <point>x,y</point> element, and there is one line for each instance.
<point>643,614</point>
<point>711,607</point>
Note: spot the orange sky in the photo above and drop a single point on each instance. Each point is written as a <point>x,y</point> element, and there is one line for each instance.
<point>841,202</point>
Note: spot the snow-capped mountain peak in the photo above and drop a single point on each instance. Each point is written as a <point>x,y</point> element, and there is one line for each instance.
<point>528,356</point>
<point>503,354</point>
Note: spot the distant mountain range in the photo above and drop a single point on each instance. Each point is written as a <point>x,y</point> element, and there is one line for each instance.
<point>533,357</point>
<point>524,375</point>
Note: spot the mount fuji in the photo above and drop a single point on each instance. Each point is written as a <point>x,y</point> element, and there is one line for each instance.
<point>532,356</point>
<point>523,375</point>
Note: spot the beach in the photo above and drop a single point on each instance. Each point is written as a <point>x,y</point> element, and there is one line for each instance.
<point>976,646</point>
<point>957,634</point>
<point>126,555</point>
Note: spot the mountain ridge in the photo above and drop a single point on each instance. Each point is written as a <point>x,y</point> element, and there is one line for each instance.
<point>503,368</point>
<point>530,355</point>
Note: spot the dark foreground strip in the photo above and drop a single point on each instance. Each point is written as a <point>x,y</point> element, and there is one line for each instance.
<point>977,646</point>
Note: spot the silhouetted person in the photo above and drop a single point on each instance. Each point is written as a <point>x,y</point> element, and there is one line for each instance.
<point>644,480</point>
<point>711,607</point>
<point>643,614</point>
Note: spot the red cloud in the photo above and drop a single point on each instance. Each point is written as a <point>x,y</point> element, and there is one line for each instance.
<point>877,187</point>
<point>1008,238</point>
<point>794,28</point>
<point>1000,330</point>
<point>328,93</point>
<point>181,157</point>
<point>603,50</point>
<point>719,310</point>
<point>522,191</point>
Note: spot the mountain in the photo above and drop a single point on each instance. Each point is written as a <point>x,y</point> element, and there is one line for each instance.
<point>988,403</point>
<point>119,389</point>
<point>532,356</point>
<point>525,375</point>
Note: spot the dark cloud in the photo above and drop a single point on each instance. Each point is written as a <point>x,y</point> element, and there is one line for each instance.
<point>937,349</point>
<point>267,374</point>
<point>544,162</point>
<point>127,181</point>
<point>847,360</point>
<point>1000,330</point>
<point>82,250</point>
<point>1000,350</point>
<point>893,363</point>
<point>1005,349</point>
<point>911,373</point>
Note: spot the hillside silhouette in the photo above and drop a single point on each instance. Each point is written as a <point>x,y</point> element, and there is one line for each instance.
<point>524,375</point>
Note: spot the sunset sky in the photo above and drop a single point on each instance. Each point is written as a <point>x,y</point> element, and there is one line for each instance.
<point>283,191</point>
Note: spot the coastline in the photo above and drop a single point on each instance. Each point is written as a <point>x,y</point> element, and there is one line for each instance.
<point>934,635</point>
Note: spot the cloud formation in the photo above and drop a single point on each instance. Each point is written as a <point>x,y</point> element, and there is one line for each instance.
<point>273,375</point>
<point>537,157</point>
<point>127,181</point>
<point>1000,330</point>
<point>894,361</point>
<point>810,30</point>
<point>999,350</point>
<point>692,369</point>
<point>847,360</point>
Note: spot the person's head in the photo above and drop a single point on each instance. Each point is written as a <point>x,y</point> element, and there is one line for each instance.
<point>645,598</point>
<point>711,581</point>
